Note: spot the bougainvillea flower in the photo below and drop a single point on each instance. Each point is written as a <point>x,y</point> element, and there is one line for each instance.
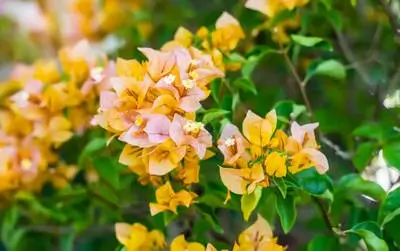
<point>131,156</point>
<point>180,244</point>
<point>304,148</point>
<point>147,130</point>
<point>56,131</point>
<point>271,7</point>
<point>159,63</point>
<point>188,94</point>
<point>188,132</point>
<point>79,59</point>
<point>23,157</point>
<point>132,88</point>
<point>130,68</point>
<point>227,34</point>
<point>245,180</point>
<point>188,171</point>
<point>62,175</point>
<point>258,237</point>
<point>136,237</point>
<point>168,200</point>
<point>279,141</point>
<point>164,157</point>
<point>99,79</point>
<point>275,165</point>
<point>233,145</point>
<point>259,131</point>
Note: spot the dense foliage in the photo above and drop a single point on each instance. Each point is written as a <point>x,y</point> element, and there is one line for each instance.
<point>200,125</point>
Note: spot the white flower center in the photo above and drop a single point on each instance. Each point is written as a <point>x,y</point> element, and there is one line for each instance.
<point>193,127</point>
<point>169,79</point>
<point>230,142</point>
<point>188,83</point>
<point>26,164</point>
<point>97,74</point>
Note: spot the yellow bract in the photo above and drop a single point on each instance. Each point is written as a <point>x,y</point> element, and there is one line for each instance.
<point>136,237</point>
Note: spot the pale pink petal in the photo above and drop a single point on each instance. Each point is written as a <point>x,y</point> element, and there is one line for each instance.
<point>232,180</point>
<point>119,84</point>
<point>176,131</point>
<point>258,5</point>
<point>107,100</point>
<point>157,127</point>
<point>226,19</point>
<point>229,131</point>
<point>320,160</point>
<point>299,131</point>
<point>134,138</point>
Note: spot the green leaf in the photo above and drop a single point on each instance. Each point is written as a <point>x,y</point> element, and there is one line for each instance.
<point>92,147</point>
<point>209,216</point>
<point>306,41</point>
<point>250,65</point>
<point>249,202</point>
<point>169,217</point>
<point>246,85</point>
<point>281,185</point>
<point>234,58</point>
<point>286,209</point>
<point>288,109</point>
<point>370,226</point>
<point>312,182</point>
<point>389,205</point>
<point>324,242</point>
<point>267,211</point>
<point>364,154</point>
<point>213,114</point>
<point>376,131</point>
<point>330,68</point>
<point>371,240</point>
<point>215,87</point>
<point>391,153</point>
<point>255,56</point>
<point>107,170</point>
<point>388,218</point>
<point>353,182</point>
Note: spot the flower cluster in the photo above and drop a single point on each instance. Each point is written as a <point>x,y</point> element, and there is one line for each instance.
<point>222,41</point>
<point>271,9</point>
<point>258,237</point>
<point>43,105</point>
<point>93,19</point>
<point>263,152</point>
<point>151,108</point>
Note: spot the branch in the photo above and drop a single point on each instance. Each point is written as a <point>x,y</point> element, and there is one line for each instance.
<point>325,215</point>
<point>299,82</point>
<point>392,19</point>
<point>351,58</point>
<point>335,148</point>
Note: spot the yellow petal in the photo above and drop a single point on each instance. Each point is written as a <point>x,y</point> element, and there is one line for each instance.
<point>157,208</point>
<point>232,180</point>
<point>258,130</point>
<point>123,231</point>
<point>275,165</point>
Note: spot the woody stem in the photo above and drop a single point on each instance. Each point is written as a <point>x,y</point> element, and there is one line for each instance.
<point>325,215</point>
<point>302,84</point>
<point>299,82</point>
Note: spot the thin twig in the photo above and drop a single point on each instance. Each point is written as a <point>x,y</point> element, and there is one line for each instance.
<point>350,57</point>
<point>335,148</point>
<point>325,215</point>
<point>300,83</point>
